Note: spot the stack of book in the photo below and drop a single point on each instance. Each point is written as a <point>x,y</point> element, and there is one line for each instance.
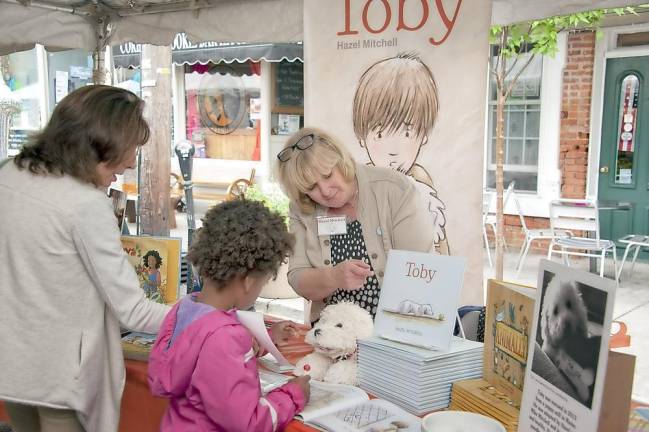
<point>416,379</point>
<point>479,396</point>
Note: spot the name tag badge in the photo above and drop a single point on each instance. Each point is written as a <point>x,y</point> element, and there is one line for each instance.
<point>332,225</point>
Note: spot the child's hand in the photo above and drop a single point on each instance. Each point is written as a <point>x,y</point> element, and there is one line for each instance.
<point>282,331</point>
<point>303,383</point>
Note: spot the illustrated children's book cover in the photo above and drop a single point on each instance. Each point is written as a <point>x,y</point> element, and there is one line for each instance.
<point>510,312</point>
<point>157,263</point>
<point>419,298</point>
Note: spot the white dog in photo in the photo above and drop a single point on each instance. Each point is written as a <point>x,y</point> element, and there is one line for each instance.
<point>334,338</point>
<point>564,324</point>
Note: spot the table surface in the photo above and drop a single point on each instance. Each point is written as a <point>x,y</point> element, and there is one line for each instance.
<point>142,412</point>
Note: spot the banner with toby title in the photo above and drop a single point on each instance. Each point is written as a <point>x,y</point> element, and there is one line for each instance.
<point>402,84</point>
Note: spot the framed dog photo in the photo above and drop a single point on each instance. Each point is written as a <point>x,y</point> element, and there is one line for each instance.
<point>569,350</point>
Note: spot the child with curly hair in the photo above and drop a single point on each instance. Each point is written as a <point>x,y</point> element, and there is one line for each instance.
<point>204,359</point>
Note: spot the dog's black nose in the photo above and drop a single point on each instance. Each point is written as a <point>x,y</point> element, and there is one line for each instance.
<point>317,332</point>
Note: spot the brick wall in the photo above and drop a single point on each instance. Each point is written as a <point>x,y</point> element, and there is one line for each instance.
<point>575,113</point>
<point>574,134</point>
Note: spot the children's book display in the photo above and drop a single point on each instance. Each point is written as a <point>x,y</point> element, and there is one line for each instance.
<point>413,359</point>
<point>342,408</point>
<point>156,261</point>
<point>510,312</point>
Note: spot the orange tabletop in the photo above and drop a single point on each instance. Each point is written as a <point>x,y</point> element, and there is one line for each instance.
<point>142,412</point>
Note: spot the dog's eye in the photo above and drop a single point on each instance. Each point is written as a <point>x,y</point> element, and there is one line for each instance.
<point>339,325</point>
<point>569,304</point>
<point>555,311</point>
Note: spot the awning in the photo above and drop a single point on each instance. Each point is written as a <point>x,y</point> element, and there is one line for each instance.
<point>184,51</point>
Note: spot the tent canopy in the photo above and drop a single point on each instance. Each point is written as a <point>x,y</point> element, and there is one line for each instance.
<point>91,24</point>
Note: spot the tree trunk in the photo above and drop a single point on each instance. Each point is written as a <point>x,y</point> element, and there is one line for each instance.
<point>500,152</point>
<point>155,162</point>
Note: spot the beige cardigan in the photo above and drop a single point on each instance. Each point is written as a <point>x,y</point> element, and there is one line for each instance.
<point>65,287</point>
<point>391,215</point>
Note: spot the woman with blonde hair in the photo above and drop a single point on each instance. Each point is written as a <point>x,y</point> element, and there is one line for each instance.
<point>345,217</point>
<point>66,285</point>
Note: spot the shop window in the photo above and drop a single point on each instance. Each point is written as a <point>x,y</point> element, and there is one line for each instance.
<point>67,71</point>
<point>20,73</point>
<point>223,110</point>
<point>287,97</point>
<point>522,115</point>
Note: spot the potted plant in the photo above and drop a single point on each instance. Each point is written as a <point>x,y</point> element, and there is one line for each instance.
<point>274,199</point>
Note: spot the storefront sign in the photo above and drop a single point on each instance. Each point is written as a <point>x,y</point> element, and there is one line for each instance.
<point>402,84</point>
<point>184,51</point>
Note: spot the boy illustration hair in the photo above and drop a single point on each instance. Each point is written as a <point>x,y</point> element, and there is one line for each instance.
<point>395,108</point>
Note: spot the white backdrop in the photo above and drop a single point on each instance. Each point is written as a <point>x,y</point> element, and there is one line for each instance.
<point>457,58</point>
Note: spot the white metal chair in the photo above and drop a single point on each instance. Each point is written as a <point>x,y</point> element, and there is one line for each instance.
<point>632,241</point>
<point>578,215</point>
<point>530,235</point>
<point>489,218</point>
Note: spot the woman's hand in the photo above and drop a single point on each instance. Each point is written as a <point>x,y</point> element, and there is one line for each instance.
<point>350,275</point>
<point>282,331</point>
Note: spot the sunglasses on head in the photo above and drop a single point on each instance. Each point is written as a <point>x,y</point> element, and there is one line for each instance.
<point>302,144</point>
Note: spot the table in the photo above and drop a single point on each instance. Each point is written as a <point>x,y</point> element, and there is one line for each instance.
<point>142,412</point>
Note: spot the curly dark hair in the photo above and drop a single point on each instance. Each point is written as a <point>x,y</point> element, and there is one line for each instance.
<point>237,238</point>
<point>153,253</point>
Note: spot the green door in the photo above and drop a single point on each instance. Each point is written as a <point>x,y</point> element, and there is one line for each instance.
<point>624,156</point>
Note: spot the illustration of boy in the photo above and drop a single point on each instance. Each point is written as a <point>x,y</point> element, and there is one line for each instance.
<point>395,108</point>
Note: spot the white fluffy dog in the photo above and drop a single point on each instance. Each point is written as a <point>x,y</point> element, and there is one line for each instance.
<point>334,339</point>
<point>564,323</point>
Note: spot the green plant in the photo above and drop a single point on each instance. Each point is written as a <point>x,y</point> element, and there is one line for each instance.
<point>271,196</point>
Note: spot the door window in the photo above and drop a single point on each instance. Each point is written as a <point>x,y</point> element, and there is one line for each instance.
<point>626,130</point>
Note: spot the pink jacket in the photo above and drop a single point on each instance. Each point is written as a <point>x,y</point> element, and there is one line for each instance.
<point>209,374</point>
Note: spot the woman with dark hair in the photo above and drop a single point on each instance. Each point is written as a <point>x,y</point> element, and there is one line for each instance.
<point>65,283</point>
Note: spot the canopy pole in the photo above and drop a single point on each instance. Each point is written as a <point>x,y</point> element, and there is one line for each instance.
<point>101,22</point>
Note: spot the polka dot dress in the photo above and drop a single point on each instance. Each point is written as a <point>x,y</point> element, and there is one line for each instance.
<point>352,246</point>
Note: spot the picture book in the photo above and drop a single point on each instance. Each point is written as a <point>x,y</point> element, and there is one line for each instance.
<point>419,298</point>
<point>510,312</point>
<point>270,380</point>
<point>157,264</point>
<point>137,345</point>
<point>564,383</point>
<point>341,408</point>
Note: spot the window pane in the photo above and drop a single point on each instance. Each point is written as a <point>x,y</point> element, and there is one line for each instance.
<point>20,74</point>
<point>514,152</point>
<point>522,123</point>
<point>515,126</point>
<point>531,152</point>
<point>627,142</point>
<point>67,71</point>
<point>524,181</point>
<point>220,120</point>
<point>532,121</point>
